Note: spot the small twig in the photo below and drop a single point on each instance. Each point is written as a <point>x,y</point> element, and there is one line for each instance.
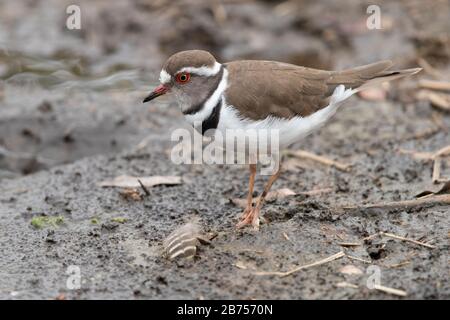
<point>434,85</point>
<point>436,170</point>
<point>426,156</point>
<point>398,265</point>
<point>393,291</point>
<point>346,285</point>
<point>349,244</point>
<point>445,189</point>
<point>358,259</point>
<point>314,157</point>
<point>288,273</point>
<point>371,236</point>
<point>439,101</point>
<point>435,157</point>
<point>445,151</point>
<point>435,200</point>
<point>240,265</point>
<point>147,193</point>
<point>391,235</point>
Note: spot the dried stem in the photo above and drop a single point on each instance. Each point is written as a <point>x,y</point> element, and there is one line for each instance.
<point>314,264</point>
<point>320,159</point>
<point>394,236</point>
<point>393,291</point>
<point>435,200</point>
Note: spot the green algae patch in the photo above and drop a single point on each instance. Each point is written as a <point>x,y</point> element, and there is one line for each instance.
<point>40,222</point>
<point>119,220</point>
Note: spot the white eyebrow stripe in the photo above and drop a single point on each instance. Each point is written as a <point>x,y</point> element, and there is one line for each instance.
<point>203,71</point>
<point>164,77</point>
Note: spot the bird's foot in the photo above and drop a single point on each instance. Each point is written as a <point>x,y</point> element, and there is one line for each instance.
<point>250,217</point>
<point>246,212</point>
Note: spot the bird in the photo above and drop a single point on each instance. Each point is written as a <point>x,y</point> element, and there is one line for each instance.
<point>262,95</point>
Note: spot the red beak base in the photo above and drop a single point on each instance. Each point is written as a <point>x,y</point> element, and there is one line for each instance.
<point>159,91</point>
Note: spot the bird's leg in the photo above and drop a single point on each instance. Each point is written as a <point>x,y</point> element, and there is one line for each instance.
<point>253,217</point>
<point>251,184</point>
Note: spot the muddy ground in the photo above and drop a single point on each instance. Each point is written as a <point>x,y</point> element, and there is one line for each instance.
<point>71,116</point>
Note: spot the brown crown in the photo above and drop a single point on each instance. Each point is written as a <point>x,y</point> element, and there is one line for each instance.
<point>189,58</point>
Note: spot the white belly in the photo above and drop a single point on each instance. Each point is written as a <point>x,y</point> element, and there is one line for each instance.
<point>289,130</point>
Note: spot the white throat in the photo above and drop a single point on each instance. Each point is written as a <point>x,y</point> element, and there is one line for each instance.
<point>213,100</point>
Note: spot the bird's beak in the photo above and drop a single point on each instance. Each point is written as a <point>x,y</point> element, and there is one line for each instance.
<point>158,91</point>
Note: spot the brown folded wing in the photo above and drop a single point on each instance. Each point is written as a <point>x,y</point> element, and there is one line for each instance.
<point>262,88</point>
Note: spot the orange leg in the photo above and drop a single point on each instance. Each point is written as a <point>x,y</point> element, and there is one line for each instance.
<point>251,184</point>
<point>253,217</point>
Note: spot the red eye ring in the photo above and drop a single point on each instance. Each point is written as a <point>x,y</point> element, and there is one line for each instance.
<point>183,77</point>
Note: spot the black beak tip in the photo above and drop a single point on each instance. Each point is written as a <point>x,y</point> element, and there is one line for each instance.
<point>148,98</point>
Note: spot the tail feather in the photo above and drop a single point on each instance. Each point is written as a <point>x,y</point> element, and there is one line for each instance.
<point>362,77</point>
<point>387,76</point>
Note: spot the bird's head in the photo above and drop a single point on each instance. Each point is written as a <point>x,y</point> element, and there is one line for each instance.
<point>192,76</point>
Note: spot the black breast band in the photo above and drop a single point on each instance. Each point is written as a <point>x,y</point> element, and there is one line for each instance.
<point>213,120</point>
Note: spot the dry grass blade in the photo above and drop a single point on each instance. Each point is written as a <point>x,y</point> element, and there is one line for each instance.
<point>439,101</point>
<point>346,285</point>
<point>435,200</point>
<point>445,189</point>
<point>435,85</point>
<point>435,157</point>
<point>426,156</point>
<point>320,159</point>
<point>397,292</point>
<point>351,270</point>
<point>394,236</point>
<point>436,170</point>
<point>125,181</point>
<point>358,259</point>
<point>306,266</point>
<point>445,151</point>
<point>399,265</point>
<point>349,244</point>
<point>240,265</point>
